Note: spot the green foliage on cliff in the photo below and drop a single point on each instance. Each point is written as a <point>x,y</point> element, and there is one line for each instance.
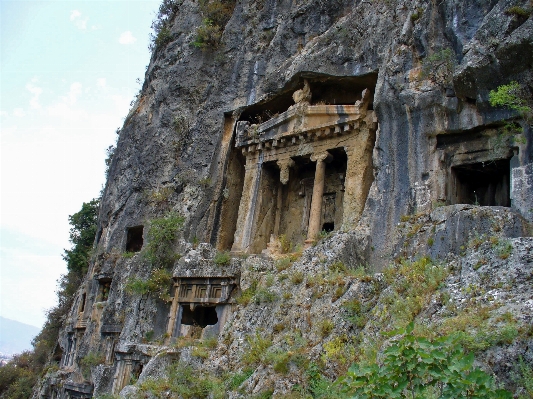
<point>415,367</point>
<point>82,236</point>
<point>216,15</point>
<point>161,235</point>
<point>158,283</point>
<point>161,25</point>
<point>511,96</point>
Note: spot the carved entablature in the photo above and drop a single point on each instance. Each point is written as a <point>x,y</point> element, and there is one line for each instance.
<point>79,390</point>
<point>304,123</point>
<point>204,289</point>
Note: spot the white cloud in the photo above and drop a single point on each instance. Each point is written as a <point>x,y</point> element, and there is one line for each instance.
<point>4,113</point>
<point>79,22</point>
<point>74,14</point>
<point>75,91</point>
<point>101,82</point>
<point>126,38</point>
<point>65,106</point>
<point>18,112</point>
<point>36,91</point>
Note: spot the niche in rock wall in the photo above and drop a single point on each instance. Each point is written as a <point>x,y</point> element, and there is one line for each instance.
<point>200,306</point>
<point>475,167</point>
<point>327,121</point>
<point>134,239</point>
<point>70,350</point>
<point>483,183</point>
<point>104,286</point>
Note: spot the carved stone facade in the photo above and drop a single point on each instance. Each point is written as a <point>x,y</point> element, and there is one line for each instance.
<point>308,169</point>
<point>200,306</point>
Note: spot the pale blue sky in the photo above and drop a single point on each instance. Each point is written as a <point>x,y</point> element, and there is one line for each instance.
<point>68,72</point>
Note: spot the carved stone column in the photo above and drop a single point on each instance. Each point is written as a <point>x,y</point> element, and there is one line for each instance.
<point>245,218</point>
<point>315,213</point>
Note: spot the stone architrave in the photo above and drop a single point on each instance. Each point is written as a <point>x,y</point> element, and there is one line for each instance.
<point>318,192</point>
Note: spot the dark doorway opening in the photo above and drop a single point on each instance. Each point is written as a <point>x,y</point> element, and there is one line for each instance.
<point>201,316</point>
<point>134,240</point>
<point>483,183</point>
<point>328,227</point>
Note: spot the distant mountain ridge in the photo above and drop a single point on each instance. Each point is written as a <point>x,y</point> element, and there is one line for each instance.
<point>15,336</point>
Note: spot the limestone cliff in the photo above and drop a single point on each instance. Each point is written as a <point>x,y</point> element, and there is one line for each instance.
<point>365,125</point>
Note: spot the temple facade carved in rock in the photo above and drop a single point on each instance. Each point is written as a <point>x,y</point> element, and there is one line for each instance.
<point>307,170</point>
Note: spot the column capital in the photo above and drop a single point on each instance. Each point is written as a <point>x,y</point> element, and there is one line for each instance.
<point>284,165</point>
<point>323,156</point>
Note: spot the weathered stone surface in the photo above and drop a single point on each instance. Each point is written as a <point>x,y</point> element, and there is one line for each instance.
<point>176,152</point>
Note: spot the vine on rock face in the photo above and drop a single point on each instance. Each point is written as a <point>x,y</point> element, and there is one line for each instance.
<point>414,367</point>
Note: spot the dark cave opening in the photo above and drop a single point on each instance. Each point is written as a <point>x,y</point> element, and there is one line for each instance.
<point>201,316</point>
<point>483,183</point>
<point>134,240</point>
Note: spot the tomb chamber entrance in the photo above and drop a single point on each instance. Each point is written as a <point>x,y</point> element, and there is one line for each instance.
<point>307,170</point>
<point>200,306</point>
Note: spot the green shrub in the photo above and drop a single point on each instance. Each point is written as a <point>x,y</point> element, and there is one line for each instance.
<point>161,32</point>
<point>264,295</point>
<point>414,367</point>
<point>92,359</point>
<point>297,278</point>
<point>207,35</point>
<point>439,66</point>
<point>412,284</point>
<point>163,37</point>
<point>282,264</point>
<point>184,382</point>
<point>161,236</point>
<point>325,327</point>
<point>518,11</point>
<point>246,296</point>
<point>222,258</point>
<point>256,351</point>
<point>235,380</point>
<point>158,283</point>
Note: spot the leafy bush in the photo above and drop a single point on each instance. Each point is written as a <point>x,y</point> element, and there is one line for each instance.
<point>510,96</point>
<point>264,295</point>
<point>222,258</point>
<point>92,359</point>
<point>412,285</point>
<point>246,296</point>
<point>161,25</point>
<point>183,381</point>
<point>235,380</point>
<point>282,264</point>
<point>518,11</point>
<point>297,278</point>
<point>414,367</point>
<point>158,283</point>
<point>161,235</point>
<point>325,327</point>
<point>257,347</point>
<point>439,66</point>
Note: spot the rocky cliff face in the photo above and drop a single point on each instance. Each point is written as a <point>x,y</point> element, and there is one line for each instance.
<point>428,163</point>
